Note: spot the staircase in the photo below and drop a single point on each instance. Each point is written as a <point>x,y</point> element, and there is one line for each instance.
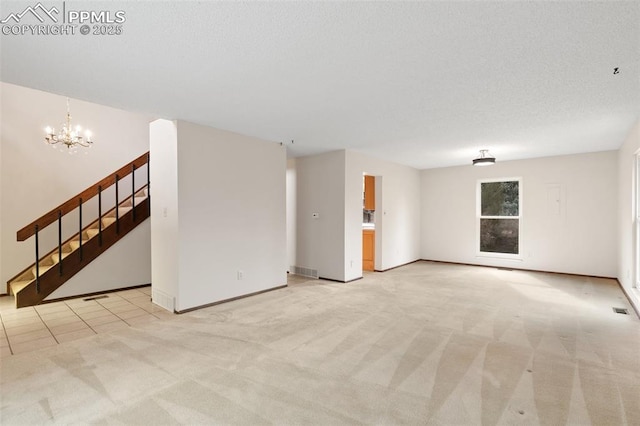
<point>32,285</point>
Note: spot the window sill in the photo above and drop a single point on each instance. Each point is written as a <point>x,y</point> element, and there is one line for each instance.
<point>501,256</point>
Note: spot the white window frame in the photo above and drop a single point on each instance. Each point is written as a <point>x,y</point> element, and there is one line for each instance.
<point>636,203</point>
<point>509,256</point>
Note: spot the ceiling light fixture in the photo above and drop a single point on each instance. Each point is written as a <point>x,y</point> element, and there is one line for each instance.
<point>485,159</point>
<point>68,137</point>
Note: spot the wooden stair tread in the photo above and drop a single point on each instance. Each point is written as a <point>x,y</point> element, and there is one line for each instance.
<point>42,269</point>
<point>92,232</point>
<point>16,286</point>
<point>55,256</point>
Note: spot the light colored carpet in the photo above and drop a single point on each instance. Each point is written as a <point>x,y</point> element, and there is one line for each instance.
<point>423,344</point>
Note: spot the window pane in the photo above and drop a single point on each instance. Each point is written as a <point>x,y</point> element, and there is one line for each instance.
<point>499,199</point>
<point>499,235</point>
<point>637,224</point>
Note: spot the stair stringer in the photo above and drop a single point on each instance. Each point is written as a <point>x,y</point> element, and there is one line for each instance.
<point>51,279</point>
<point>126,264</point>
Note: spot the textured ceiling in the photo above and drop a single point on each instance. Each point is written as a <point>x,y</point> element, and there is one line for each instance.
<point>424,84</point>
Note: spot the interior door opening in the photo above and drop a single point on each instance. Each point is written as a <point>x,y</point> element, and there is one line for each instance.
<point>368,222</point>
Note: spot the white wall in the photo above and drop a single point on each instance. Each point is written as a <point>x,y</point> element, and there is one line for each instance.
<point>99,273</point>
<point>291,212</point>
<point>163,136</point>
<point>582,239</point>
<point>627,273</point>
<point>231,213</point>
<point>331,185</point>
<point>397,213</point>
<point>3,287</point>
<point>321,189</point>
<point>35,179</point>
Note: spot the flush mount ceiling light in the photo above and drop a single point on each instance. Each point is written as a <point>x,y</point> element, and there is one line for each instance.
<point>67,136</point>
<point>485,159</point>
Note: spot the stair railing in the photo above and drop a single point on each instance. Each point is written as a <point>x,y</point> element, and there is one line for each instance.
<point>77,201</point>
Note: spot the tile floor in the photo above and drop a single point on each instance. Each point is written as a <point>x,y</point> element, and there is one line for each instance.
<point>28,329</point>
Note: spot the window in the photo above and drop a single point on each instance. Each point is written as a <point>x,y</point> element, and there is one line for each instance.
<point>636,281</point>
<point>499,212</point>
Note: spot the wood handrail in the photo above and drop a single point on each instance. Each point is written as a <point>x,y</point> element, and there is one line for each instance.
<point>72,203</point>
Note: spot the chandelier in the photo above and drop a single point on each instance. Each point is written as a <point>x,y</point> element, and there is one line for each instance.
<point>68,137</point>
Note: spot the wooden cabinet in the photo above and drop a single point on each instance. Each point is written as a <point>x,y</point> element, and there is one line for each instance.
<point>369,192</point>
<point>368,249</point>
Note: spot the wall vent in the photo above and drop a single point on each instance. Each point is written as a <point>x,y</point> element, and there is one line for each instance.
<point>305,272</point>
<point>622,311</point>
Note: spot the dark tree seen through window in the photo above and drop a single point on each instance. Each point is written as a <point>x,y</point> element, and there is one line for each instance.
<point>499,217</point>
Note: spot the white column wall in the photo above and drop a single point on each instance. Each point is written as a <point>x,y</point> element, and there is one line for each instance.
<point>320,189</point>
<point>164,213</point>
<point>291,212</point>
<point>397,214</point>
<point>229,226</point>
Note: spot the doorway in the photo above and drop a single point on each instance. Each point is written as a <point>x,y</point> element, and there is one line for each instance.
<point>368,222</point>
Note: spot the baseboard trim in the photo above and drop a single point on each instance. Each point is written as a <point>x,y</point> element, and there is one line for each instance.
<point>95,293</point>
<point>519,269</point>
<point>399,266</point>
<point>633,305</point>
<point>219,302</point>
<point>375,270</point>
<point>340,281</point>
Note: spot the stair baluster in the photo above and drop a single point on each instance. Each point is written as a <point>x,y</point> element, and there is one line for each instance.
<point>37,263</point>
<point>117,209</point>
<point>133,190</point>
<point>60,242</point>
<point>100,215</point>
<point>80,227</point>
<point>149,184</point>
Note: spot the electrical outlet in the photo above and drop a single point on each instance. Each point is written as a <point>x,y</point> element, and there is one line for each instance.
<point>240,275</point>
